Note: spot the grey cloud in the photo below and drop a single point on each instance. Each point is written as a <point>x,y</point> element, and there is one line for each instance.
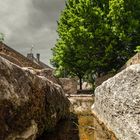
<point>31,22</point>
<point>46,11</point>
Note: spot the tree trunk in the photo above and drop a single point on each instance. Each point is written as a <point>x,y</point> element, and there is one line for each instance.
<point>80,83</point>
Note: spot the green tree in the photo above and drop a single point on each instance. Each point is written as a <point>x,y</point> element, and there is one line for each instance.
<point>125,23</point>
<point>96,35</point>
<point>74,49</point>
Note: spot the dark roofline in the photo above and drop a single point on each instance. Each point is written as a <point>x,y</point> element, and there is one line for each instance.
<point>39,64</point>
<point>20,55</point>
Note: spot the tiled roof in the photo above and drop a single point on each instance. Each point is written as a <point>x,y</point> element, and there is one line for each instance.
<point>19,59</point>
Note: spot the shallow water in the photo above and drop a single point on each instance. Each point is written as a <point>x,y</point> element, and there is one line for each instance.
<point>79,127</point>
<point>65,130</point>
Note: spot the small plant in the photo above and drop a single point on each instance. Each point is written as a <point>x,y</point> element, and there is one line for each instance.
<point>137,49</point>
<point>1,37</point>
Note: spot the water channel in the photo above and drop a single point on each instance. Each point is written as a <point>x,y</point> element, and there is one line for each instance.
<point>81,125</point>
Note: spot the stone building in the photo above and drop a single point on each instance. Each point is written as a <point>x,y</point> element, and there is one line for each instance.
<point>19,59</point>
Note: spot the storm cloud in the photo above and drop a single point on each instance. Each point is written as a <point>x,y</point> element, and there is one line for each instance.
<point>28,23</point>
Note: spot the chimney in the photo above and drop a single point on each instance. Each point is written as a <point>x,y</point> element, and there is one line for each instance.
<point>38,57</point>
<point>30,56</point>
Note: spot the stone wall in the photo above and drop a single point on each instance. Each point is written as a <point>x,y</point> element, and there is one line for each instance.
<point>29,104</point>
<point>117,103</point>
<point>69,85</point>
<point>81,103</point>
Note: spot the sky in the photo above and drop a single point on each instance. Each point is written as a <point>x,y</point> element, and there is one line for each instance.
<point>31,23</point>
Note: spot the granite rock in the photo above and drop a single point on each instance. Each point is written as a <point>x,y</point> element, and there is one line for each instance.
<point>29,103</point>
<point>117,103</point>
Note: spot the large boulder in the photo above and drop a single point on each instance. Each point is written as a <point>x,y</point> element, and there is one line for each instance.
<point>117,103</point>
<point>29,104</point>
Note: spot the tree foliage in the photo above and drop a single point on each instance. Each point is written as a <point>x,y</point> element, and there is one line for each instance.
<point>96,35</point>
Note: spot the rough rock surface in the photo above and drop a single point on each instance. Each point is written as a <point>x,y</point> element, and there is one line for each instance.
<point>133,60</point>
<point>100,80</point>
<point>48,73</point>
<point>117,103</point>
<point>29,104</point>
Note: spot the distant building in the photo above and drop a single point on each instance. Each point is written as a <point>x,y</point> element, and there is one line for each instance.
<point>37,60</point>
<point>19,59</point>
